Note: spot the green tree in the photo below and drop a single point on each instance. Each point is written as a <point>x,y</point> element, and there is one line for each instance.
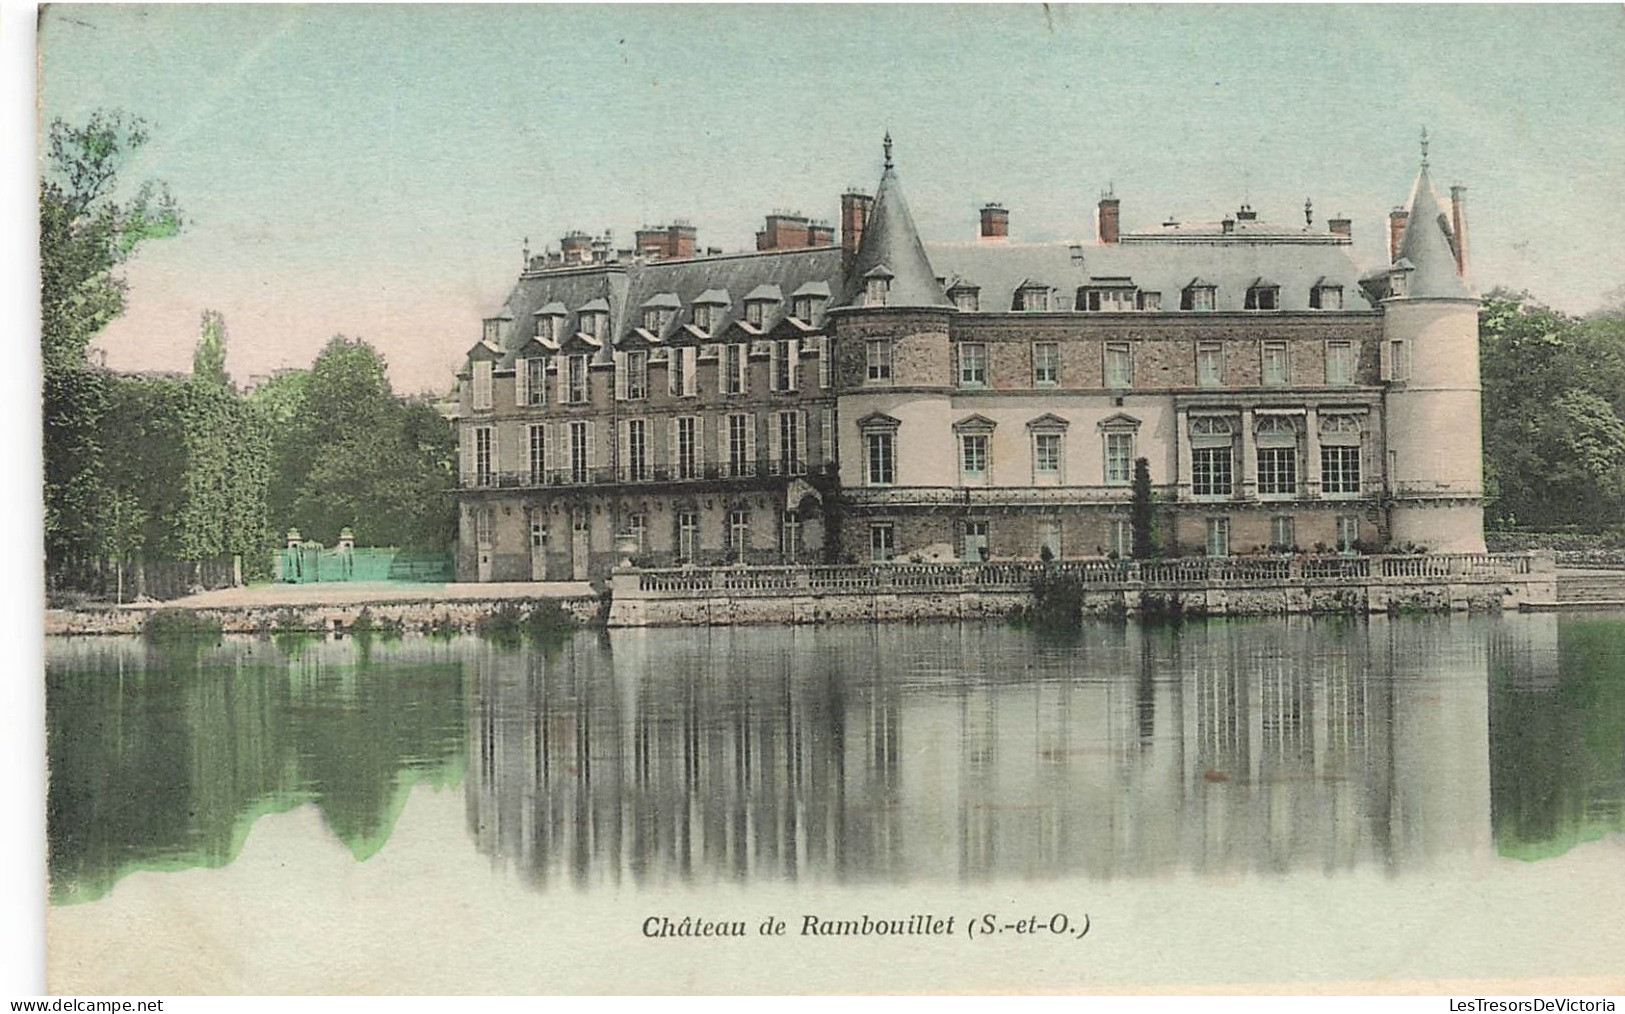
<point>1142,516</point>
<point>209,358</point>
<point>87,232</point>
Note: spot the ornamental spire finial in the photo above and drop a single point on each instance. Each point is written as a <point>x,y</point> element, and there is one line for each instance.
<point>1424,147</point>
<point>888,149</point>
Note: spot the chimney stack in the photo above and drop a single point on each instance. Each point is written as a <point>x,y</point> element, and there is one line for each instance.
<point>1458,225</point>
<point>1340,227</point>
<point>1106,219</point>
<point>820,234</point>
<point>995,222</point>
<point>784,229</point>
<point>575,248</point>
<point>666,242</point>
<point>855,207</point>
<point>1396,231</point>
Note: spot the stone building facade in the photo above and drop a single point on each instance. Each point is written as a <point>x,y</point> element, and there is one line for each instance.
<point>866,397</point>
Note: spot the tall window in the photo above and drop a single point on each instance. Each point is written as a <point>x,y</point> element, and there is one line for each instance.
<point>535,381</point>
<point>1348,533</point>
<point>792,441</point>
<point>637,375</point>
<point>1282,535</point>
<point>786,356</point>
<point>687,451</point>
<point>576,387</point>
<point>1046,457</point>
<point>1339,363</point>
<point>734,368</point>
<point>1399,360</point>
<point>1218,536</point>
<point>580,449</point>
<point>1119,365</point>
<point>974,545</point>
<point>484,455</point>
<point>1276,366</point>
<point>482,385</point>
<point>538,453</point>
<point>484,522</point>
<point>790,536</point>
<point>1339,470</point>
<point>1211,471</point>
<point>1120,537</point>
<point>1119,459</point>
<point>882,542</point>
<point>972,364</point>
<point>823,363</point>
<point>637,450</point>
<point>1209,364</point>
<point>738,532</point>
<point>1046,364</point>
<point>688,535</point>
<point>1277,440</point>
<point>973,463</point>
<point>637,524</point>
<point>740,445</point>
<point>880,453</point>
<point>1049,537</point>
<point>879,359</point>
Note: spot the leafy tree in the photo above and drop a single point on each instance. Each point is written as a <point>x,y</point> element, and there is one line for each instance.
<point>1142,518</point>
<point>209,358</point>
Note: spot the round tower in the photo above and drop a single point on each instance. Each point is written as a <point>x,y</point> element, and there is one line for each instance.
<point>1435,460</point>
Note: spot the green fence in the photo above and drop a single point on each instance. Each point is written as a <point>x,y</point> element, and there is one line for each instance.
<point>308,564</point>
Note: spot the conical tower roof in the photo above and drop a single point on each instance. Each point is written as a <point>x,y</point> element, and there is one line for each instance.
<point>1429,245</point>
<point>891,248</point>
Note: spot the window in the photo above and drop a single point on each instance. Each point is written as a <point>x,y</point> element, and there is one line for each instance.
<point>1108,300</point>
<point>1119,365</point>
<point>1282,536</point>
<point>637,375</point>
<point>823,363</point>
<point>1263,297</point>
<point>792,443</point>
<point>1120,537</point>
<point>575,391</point>
<point>972,364</point>
<point>1209,364</point>
<point>1340,470</point>
<point>1398,284</point>
<point>880,451</point>
<point>484,522</point>
<point>1277,471</point>
<point>1049,537</point>
<point>974,547</point>
<point>882,542</point>
<point>637,524</point>
<point>1151,301</point>
<point>535,375</point>
<point>688,535</point>
<point>875,291</point>
<point>756,312</point>
<point>805,308</point>
<point>547,328</point>
<point>741,450</point>
<point>484,455</point>
<point>1033,298</point>
<point>682,380</point>
<point>687,447</point>
<point>1276,366</point>
<point>790,536</point>
<point>482,385</point>
<point>973,464</point>
<point>1046,457</point>
<point>1211,469</point>
<point>1339,363</point>
<point>879,359</point>
<point>1326,297</point>
<point>538,454</point>
<point>738,532</point>
<point>1348,533</point>
<point>1399,360</point>
<point>656,318</point>
<point>1046,364</point>
<point>704,315</point>
<point>580,449</point>
<point>1119,459</point>
<point>967,299</point>
<point>1198,297</point>
<point>733,368</point>
<point>594,324</point>
<point>493,330</point>
<point>786,364</point>
<point>1218,536</point>
<point>636,451</point>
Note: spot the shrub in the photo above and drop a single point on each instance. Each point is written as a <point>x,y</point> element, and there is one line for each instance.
<point>176,624</point>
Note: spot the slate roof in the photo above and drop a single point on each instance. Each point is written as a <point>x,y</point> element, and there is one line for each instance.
<point>891,241</point>
<point>1429,245</point>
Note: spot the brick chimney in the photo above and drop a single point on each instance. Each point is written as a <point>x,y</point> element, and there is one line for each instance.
<point>1458,225</point>
<point>855,208</point>
<point>575,248</point>
<point>1396,231</point>
<point>1340,227</point>
<point>1106,219</point>
<point>995,221</point>
<point>784,230</point>
<point>820,234</point>
<point>666,242</point>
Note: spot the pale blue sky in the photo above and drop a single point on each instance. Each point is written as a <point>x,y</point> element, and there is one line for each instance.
<point>375,170</point>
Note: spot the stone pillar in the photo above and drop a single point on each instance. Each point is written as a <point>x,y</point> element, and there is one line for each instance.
<point>1248,488</point>
<point>1311,454</point>
<point>1182,444</point>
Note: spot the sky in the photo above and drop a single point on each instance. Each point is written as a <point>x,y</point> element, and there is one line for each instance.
<point>376,171</point>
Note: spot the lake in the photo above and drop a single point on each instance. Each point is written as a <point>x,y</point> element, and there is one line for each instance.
<point>270,815</point>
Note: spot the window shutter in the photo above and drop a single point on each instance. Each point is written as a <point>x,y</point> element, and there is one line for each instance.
<point>722,426</point>
<point>623,459</point>
<point>826,436</point>
<point>592,448</point>
<point>466,456</point>
<point>722,369</point>
<point>671,447</point>
<point>801,441</point>
<point>774,354</point>
<point>671,371</point>
<point>823,362</point>
<point>744,368</point>
<point>563,365</point>
<point>521,382</point>
<point>691,366</point>
<point>496,457</point>
<point>750,441</point>
<point>775,440</point>
<point>620,376</point>
<point>795,364</point>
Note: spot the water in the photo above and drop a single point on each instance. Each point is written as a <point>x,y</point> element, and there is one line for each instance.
<point>938,758</point>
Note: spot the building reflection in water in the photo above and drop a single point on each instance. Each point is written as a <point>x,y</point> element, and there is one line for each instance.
<point>965,752</point>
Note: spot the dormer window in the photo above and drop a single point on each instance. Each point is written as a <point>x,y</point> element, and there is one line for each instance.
<point>1150,301</point>
<point>1198,295</point>
<point>656,318</point>
<point>704,315</point>
<point>493,330</point>
<point>547,328</point>
<point>967,299</point>
<point>1398,283</point>
<point>1033,298</point>
<point>1107,298</point>
<point>876,287</point>
<point>756,311</point>
<point>1326,297</point>
<point>1262,295</point>
<point>594,323</point>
